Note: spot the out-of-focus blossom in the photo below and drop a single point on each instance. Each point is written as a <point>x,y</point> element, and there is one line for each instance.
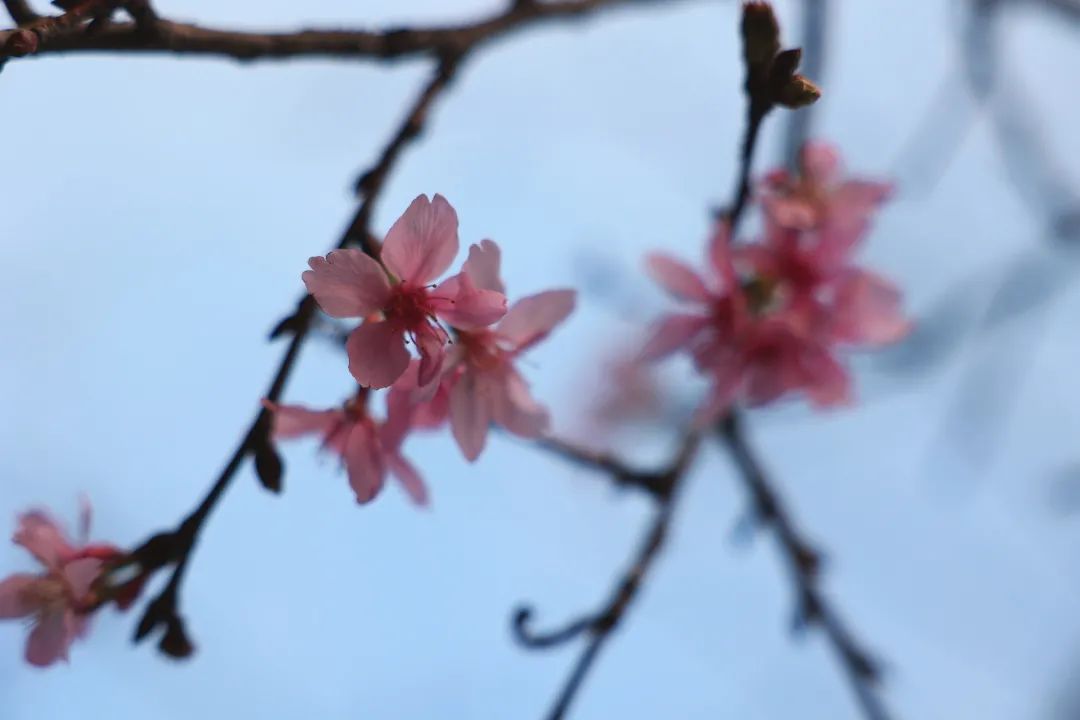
<point>481,384</point>
<point>768,318</point>
<point>368,448</point>
<point>820,199</point>
<point>403,306</point>
<point>60,598</point>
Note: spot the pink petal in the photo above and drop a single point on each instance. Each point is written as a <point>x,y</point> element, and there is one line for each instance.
<point>866,195</point>
<point>377,354</point>
<point>868,310</point>
<point>514,408</point>
<point>45,540</point>
<point>676,277</point>
<point>292,421</point>
<point>483,266</point>
<point>15,601</point>
<point>423,242</point>
<point>50,639</point>
<point>792,211</point>
<point>347,283</point>
<point>409,478</point>
<point>721,395</point>
<point>672,333</point>
<point>720,256</point>
<point>430,343</point>
<point>364,462</point>
<point>826,381</point>
<point>80,576</point>
<point>819,163</point>
<point>463,305</point>
<point>531,319</point>
<point>470,415</point>
<point>421,407</point>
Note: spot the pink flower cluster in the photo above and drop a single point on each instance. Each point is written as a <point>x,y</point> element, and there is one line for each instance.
<point>58,599</point>
<point>769,317</point>
<point>466,340</point>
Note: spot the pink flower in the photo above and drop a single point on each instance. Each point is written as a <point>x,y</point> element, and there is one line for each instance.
<point>836,210</point>
<point>770,316</point>
<point>481,384</point>
<point>60,598</point>
<point>367,447</point>
<point>751,350</point>
<point>719,307</point>
<point>418,248</point>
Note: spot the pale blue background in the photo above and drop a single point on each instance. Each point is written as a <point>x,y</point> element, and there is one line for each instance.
<point>156,215</point>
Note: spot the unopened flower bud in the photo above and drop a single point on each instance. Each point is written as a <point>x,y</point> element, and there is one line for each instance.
<point>760,33</point>
<point>175,642</point>
<point>798,92</point>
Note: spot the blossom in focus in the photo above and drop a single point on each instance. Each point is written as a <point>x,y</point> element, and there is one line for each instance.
<point>481,384</point>
<point>368,448</point>
<point>396,298</point>
<point>768,318</point>
<point>58,599</point>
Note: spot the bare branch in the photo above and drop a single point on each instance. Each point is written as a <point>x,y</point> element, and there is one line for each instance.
<point>177,546</point>
<point>600,625</point>
<point>655,483</point>
<point>804,563</point>
<point>178,38</point>
<point>20,11</point>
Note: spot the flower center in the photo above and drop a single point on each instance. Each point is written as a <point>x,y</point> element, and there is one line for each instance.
<point>409,305</point>
<point>481,349</point>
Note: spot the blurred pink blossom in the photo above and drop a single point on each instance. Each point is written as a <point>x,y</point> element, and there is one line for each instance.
<point>767,318</point>
<point>59,599</point>
<point>367,447</point>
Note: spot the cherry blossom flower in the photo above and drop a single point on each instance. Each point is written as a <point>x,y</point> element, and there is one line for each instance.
<point>419,247</point>
<point>59,599</point>
<point>368,448</point>
<point>481,384</point>
<point>769,317</point>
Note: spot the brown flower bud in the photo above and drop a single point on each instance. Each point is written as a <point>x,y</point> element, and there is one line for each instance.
<point>175,642</point>
<point>21,42</point>
<point>798,92</point>
<point>760,33</point>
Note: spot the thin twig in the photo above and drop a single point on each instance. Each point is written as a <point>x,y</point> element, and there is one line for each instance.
<point>804,563</point>
<point>187,39</point>
<point>653,482</point>
<point>177,546</point>
<point>600,625</point>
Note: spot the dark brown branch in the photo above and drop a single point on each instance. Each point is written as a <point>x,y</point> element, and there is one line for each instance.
<point>600,625</point>
<point>655,483</point>
<point>178,545</point>
<point>187,39</point>
<point>804,564</point>
<point>20,11</point>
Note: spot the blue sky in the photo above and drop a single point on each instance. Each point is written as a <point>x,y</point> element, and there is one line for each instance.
<point>158,214</point>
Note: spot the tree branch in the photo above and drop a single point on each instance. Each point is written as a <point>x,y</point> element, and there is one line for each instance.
<point>600,625</point>
<point>178,38</point>
<point>20,11</point>
<point>178,545</point>
<point>804,564</point>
